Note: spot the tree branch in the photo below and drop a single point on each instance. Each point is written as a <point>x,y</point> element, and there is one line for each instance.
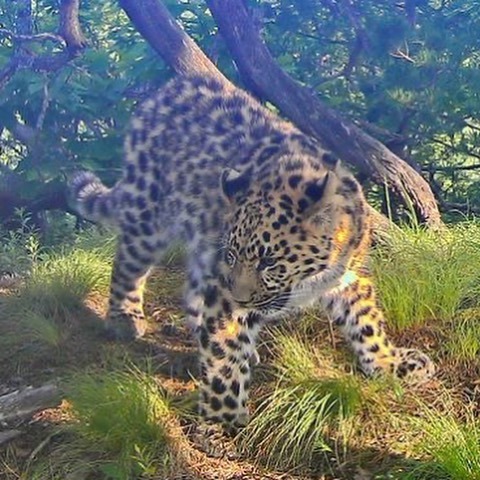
<point>23,403</point>
<point>459,168</point>
<point>297,102</point>
<point>39,37</point>
<point>70,34</point>
<point>454,149</point>
<point>70,29</point>
<point>155,23</point>
<point>165,35</point>
<point>8,71</point>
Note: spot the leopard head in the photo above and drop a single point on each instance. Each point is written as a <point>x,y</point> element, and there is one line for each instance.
<point>282,231</point>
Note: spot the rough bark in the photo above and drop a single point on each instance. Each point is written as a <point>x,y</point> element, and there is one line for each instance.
<point>165,35</point>
<point>21,404</point>
<point>269,81</point>
<point>70,28</point>
<point>303,107</point>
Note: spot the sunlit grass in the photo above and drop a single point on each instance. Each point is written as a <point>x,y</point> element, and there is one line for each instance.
<point>291,424</point>
<point>463,340</point>
<point>451,448</point>
<point>52,295</point>
<point>61,282</point>
<point>424,275</point>
<point>119,429</point>
<point>315,415</point>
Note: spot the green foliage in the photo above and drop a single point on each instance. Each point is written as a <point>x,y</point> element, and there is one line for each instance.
<point>423,275</point>
<point>88,102</point>
<point>55,289</point>
<point>453,447</point>
<point>19,247</point>
<point>291,425</point>
<point>463,342</point>
<point>61,282</point>
<point>388,67</point>
<point>410,77</point>
<point>119,429</point>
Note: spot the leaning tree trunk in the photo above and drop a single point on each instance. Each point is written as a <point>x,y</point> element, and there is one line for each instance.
<point>340,135</point>
<point>269,81</point>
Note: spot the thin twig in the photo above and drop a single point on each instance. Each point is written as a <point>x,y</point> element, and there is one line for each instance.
<point>39,37</point>
<point>43,111</point>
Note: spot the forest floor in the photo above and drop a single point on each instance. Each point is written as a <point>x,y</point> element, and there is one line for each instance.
<point>126,411</point>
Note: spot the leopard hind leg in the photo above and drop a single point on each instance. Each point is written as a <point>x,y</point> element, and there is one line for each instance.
<point>134,259</point>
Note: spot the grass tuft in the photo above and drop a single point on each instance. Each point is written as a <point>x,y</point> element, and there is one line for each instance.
<point>19,248</point>
<point>453,447</point>
<point>120,428</point>
<point>62,282</point>
<point>425,275</point>
<point>58,286</point>
<point>51,296</point>
<point>463,342</point>
<point>290,426</point>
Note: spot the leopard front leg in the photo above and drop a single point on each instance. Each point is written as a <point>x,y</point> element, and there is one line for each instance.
<point>353,307</point>
<point>226,343</point>
<point>194,293</point>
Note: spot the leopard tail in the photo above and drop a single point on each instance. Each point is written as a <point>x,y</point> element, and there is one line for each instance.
<point>92,199</point>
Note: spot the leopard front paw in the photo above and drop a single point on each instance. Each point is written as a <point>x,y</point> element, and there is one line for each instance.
<point>414,366</point>
<point>215,441</point>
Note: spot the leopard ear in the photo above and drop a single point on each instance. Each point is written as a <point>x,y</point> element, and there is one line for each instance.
<point>313,194</point>
<point>234,184</point>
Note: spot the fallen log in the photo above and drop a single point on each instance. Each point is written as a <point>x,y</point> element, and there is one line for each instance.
<point>21,404</point>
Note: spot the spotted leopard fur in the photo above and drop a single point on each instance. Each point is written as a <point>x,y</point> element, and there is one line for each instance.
<point>272,222</point>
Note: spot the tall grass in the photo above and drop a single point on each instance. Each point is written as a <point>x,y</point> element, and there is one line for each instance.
<point>61,282</point>
<point>52,294</point>
<point>19,248</point>
<point>462,344</point>
<point>426,275</point>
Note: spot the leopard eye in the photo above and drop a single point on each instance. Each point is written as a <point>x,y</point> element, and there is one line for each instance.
<point>230,258</point>
<point>266,262</point>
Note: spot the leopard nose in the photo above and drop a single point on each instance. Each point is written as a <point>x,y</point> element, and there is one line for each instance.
<point>242,291</point>
<point>242,296</point>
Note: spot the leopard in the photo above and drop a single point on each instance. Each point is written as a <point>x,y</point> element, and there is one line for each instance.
<point>273,223</point>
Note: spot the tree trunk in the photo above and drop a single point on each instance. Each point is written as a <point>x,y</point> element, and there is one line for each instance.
<point>269,81</point>
<point>162,32</point>
<point>70,28</point>
<point>303,107</point>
